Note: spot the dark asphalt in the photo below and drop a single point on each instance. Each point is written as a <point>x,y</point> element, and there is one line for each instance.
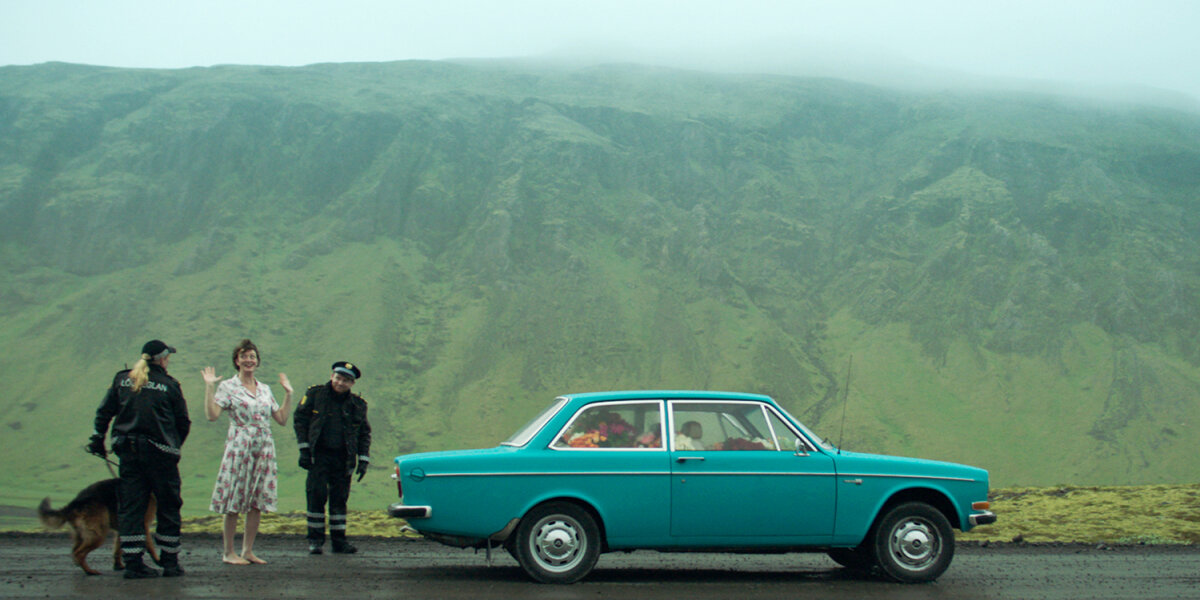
<point>39,566</point>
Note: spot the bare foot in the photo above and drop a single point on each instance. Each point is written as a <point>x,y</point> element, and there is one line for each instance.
<point>233,559</point>
<point>252,558</point>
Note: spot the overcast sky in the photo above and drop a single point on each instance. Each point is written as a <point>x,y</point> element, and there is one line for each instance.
<point>1145,43</point>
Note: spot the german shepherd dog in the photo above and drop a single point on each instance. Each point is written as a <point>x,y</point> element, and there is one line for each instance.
<point>92,514</point>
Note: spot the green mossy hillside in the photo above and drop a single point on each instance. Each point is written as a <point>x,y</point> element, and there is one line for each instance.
<point>1014,278</point>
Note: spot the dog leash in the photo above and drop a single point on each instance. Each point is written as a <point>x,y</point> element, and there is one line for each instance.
<point>108,463</point>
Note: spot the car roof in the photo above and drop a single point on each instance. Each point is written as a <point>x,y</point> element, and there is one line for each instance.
<point>663,394</point>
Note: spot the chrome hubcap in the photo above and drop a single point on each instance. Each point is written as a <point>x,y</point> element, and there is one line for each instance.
<point>915,544</point>
<point>557,543</point>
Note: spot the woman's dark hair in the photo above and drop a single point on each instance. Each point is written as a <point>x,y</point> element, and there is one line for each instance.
<point>243,347</point>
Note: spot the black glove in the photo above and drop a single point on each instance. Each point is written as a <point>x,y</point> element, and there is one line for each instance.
<point>305,459</point>
<point>361,469</point>
<point>96,446</point>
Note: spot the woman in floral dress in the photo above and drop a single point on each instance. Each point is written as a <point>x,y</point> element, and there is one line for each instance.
<point>246,482</point>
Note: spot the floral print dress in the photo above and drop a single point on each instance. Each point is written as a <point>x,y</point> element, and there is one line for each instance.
<point>248,475</point>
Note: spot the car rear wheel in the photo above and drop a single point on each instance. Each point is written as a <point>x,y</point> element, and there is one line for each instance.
<point>558,542</point>
<point>913,543</point>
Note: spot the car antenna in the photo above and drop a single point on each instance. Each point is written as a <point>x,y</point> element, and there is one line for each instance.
<point>845,399</point>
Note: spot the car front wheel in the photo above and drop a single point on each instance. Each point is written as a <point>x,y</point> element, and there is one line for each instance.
<point>913,543</point>
<point>558,542</point>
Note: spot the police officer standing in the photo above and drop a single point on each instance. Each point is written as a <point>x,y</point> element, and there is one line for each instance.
<point>335,440</point>
<point>149,425</point>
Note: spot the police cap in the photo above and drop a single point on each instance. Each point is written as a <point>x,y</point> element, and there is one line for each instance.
<point>347,369</point>
<point>157,349</point>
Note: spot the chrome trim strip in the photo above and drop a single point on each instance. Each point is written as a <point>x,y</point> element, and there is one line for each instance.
<point>536,473</point>
<point>586,473</point>
<point>938,477</point>
<point>405,511</point>
<point>986,515</point>
<point>754,473</point>
<point>691,474</point>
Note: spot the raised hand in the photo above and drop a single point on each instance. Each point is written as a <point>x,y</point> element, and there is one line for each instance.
<point>283,381</point>
<point>210,376</point>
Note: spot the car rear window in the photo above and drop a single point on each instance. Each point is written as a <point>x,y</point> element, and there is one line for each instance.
<point>615,425</point>
<point>526,433</point>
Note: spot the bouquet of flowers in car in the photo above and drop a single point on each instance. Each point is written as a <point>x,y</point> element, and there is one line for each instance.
<point>585,439</point>
<point>649,439</point>
<point>738,443</point>
<point>604,430</point>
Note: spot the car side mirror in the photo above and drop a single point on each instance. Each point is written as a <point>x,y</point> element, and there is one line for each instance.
<point>800,449</point>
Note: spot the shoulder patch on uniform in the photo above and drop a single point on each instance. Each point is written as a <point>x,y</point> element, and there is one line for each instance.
<point>307,393</point>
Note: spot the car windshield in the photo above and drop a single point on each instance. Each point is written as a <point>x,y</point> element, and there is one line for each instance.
<point>526,433</point>
<point>816,439</point>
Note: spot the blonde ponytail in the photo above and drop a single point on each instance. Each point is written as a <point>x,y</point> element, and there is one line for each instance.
<point>140,373</point>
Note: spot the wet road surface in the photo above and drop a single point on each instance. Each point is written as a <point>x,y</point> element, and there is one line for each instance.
<point>39,566</point>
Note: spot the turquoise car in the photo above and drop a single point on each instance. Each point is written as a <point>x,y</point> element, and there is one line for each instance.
<point>687,470</point>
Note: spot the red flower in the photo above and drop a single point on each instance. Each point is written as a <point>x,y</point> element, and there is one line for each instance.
<point>739,444</point>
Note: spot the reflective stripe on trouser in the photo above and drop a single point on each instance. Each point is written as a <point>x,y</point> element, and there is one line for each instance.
<point>328,481</point>
<point>144,471</point>
<point>167,543</point>
<point>316,526</point>
<point>337,526</point>
<point>133,545</point>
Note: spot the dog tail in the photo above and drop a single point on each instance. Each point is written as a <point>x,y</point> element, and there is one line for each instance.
<point>50,517</point>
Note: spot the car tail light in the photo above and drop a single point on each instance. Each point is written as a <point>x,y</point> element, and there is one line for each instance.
<point>981,505</point>
<point>399,486</point>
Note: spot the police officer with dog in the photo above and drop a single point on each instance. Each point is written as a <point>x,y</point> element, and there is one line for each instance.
<point>335,441</point>
<point>150,422</point>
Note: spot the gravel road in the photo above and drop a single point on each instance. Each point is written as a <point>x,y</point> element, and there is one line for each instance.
<point>39,566</point>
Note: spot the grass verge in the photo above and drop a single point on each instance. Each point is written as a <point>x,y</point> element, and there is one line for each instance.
<point>1150,514</point>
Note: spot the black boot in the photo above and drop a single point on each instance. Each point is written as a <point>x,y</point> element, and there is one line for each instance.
<point>170,565</point>
<point>315,547</point>
<point>136,569</point>
<point>343,547</point>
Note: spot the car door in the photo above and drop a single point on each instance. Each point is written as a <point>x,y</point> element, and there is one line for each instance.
<point>735,472</point>
<point>612,455</point>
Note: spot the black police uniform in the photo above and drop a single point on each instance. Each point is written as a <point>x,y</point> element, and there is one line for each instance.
<point>148,429</point>
<point>333,429</point>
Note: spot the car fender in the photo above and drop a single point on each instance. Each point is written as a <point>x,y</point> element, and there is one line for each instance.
<point>868,485</point>
<point>583,500</point>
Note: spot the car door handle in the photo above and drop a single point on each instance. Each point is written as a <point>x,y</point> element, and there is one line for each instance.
<point>854,481</point>
<point>687,458</point>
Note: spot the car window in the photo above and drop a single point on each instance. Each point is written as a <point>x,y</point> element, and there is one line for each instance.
<point>530,429</point>
<point>784,435</point>
<point>720,426</point>
<point>614,425</point>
